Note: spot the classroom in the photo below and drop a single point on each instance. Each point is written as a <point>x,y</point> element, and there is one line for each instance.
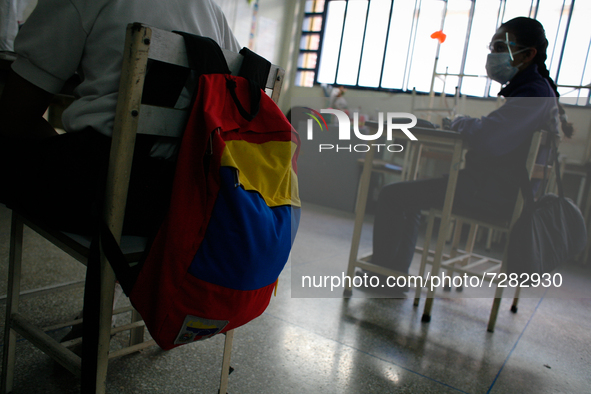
<point>325,196</point>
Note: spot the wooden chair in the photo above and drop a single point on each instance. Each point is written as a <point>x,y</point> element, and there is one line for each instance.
<point>410,170</point>
<point>142,43</point>
<point>468,262</point>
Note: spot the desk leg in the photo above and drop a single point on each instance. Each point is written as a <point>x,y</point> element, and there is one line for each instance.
<point>425,255</point>
<point>407,156</point>
<point>415,158</point>
<point>444,226</point>
<point>359,216</point>
<point>584,256</point>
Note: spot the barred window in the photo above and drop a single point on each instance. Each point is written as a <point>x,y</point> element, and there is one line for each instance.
<point>387,44</point>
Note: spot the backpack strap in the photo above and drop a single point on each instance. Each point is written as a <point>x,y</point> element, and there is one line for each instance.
<point>254,92</point>
<point>204,54</point>
<point>254,68</point>
<point>126,274</point>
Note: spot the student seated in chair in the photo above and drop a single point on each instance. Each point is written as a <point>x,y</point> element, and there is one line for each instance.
<point>60,178</point>
<point>498,146</point>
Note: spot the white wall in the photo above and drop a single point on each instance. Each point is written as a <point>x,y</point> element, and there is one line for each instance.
<point>276,33</point>
<point>239,15</point>
<point>268,20</point>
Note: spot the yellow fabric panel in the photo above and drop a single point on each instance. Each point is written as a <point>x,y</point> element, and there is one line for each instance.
<point>265,168</point>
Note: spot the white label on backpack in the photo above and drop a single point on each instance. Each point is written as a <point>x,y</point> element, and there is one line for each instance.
<point>197,328</point>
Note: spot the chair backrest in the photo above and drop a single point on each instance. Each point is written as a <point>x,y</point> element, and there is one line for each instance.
<point>143,43</point>
<point>539,171</point>
<point>168,47</point>
<point>535,171</point>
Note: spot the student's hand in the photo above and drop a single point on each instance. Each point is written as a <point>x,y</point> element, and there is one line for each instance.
<point>446,123</point>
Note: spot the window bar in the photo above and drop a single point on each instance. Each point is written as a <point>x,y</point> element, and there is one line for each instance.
<point>583,74</point>
<point>467,42</point>
<point>341,43</point>
<point>537,7</point>
<point>499,20</point>
<point>557,33</point>
<point>321,39</point>
<point>386,43</point>
<point>432,89</point>
<point>570,15</point>
<point>311,14</point>
<point>307,33</point>
<point>362,43</point>
<point>502,13</point>
<point>410,49</point>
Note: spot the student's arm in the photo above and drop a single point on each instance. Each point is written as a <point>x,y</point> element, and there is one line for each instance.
<point>22,106</point>
<point>49,47</point>
<point>508,127</point>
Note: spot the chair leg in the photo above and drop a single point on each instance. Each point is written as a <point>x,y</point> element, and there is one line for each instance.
<point>14,277</point>
<point>497,236</point>
<point>471,238</point>
<point>515,300</point>
<point>471,241</point>
<point>450,230</point>
<point>492,320</point>
<point>424,257</point>
<point>436,266</point>
<point>226,362</point>
<point>498,295</point>
<point>489,239</point>
<point>136,335</point>
<point>457,234</point>
<point>428,301</point>
<point>98,313</point>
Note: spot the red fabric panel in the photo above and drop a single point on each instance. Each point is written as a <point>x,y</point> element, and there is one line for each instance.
<point>220,111</point>
<point>203,299</point>
<point>164,290</point>
<point>181,233</point>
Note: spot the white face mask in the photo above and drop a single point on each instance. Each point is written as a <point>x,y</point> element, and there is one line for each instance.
<point>499,68</point>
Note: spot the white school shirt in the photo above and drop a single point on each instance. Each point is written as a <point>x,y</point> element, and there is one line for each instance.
<point>64,36</point>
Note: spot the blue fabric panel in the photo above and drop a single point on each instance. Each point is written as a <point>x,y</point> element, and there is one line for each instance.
<point>247,243</point>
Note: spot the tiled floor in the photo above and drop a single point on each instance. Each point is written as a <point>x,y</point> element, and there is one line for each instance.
<point>334,345</point>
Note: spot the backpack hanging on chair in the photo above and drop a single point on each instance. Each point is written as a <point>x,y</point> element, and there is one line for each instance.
<point>234,212</point>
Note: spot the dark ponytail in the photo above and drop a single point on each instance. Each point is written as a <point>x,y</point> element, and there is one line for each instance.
<point>530,33</point>
<point>567,127</point>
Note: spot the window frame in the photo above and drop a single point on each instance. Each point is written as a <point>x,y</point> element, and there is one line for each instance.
<point>320,41</point>
<point>534,6</point>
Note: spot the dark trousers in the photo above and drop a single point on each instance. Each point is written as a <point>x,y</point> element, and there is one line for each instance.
<point>397,218</point>
<point>61,180</point>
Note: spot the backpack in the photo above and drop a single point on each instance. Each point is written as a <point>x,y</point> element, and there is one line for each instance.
<point>233,216</point>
